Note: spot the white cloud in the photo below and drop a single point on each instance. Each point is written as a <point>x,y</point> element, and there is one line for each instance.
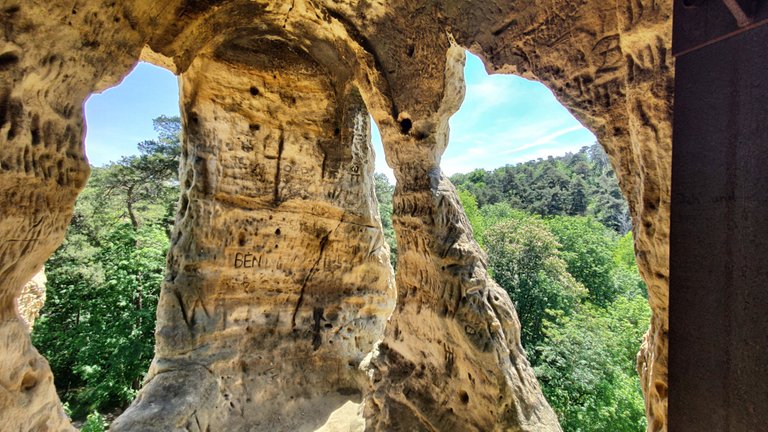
<point>507,120</point>
<point>489,92</point>
<point>544,140</point>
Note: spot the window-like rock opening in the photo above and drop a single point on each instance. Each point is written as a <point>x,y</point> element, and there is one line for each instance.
<point>103,283</point>
<point>545,205</point>
<point>308,262</point>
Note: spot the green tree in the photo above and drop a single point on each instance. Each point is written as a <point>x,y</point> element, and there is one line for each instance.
<point>117,328</point>
<point>626,274</point>
<point>384,192</point>
<point>607,204</point>
<point>586,367</point>
<point>579,201</point>
<point>147,182</point>
<point>587,247</point>
<point>94,423</point>
<point>72,272</point>
<point>469,202</point>
<point>525,261</point>
<point>98,322</point>
<point>500,212</point>
<point>577,184</point>
<point>97,325</point>
<point>624,253</point>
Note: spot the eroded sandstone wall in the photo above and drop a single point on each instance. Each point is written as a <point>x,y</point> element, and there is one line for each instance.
<point>52,56</point>
<point>279,279</point>
<point>278,283</point>
<point>433,358</point>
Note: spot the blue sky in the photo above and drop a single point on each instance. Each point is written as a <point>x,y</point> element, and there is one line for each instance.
<point>504,120</point>
<point>121,117</point>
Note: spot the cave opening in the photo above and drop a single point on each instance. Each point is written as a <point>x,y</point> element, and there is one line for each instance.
<point>545,205</point>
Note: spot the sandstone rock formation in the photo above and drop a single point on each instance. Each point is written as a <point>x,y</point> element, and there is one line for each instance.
<point>279,279</point>
<point>32,299</point>
<point>278,284</point>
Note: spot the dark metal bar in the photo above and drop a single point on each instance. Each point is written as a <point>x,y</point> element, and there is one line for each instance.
<point>742,19</point>
<point>699,23</point>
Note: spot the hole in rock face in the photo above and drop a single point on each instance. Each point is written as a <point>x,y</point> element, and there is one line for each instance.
<point>254,91</point>
<point>7,60</point>
<point>277,232</point>
<point>464,397</point>
<point>28,382</point>
<point>405,126</point>
<point>122,224</point>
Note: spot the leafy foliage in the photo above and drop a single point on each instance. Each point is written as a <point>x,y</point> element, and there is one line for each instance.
<point>585,366</point>
<point>98,330</point>
<point>97,325</point>
<point>94,423</point>
<point>384,193</point>
<point>588,250</point>
<point>525,261</point>
<point>147,183</point>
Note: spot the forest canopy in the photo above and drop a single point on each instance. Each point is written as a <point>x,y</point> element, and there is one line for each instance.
<point>577,184</point>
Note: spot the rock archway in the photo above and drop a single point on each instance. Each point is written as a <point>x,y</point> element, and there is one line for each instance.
<point>278,283</point>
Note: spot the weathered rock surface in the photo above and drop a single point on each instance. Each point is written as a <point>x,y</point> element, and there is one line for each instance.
<point>278,282</point>
<point>32,299</point>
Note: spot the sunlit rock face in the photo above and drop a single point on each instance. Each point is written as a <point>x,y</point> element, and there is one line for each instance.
<point>32,298</point>
<point>279,280</point>
<point>278,284</point>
